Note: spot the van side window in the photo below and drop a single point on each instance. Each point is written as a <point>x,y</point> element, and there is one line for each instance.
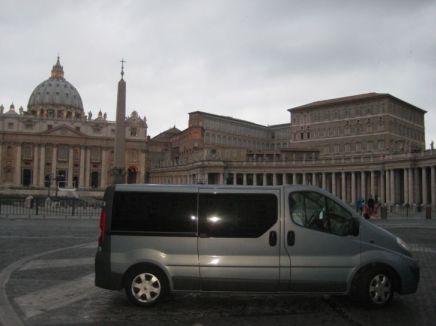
<point>236,215</point>
<point>155,212</point>
<point>315,211</point>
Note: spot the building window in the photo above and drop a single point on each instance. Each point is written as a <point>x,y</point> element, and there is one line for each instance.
<point>133,132</point>
<point>301,135</point>
<point>27,152</point>
<point>95,154</point>
<point>10,125</point>
<point>63,153</point>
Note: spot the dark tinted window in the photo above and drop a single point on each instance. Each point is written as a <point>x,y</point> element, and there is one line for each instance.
<point>315,211</point>
<point>154,212</point>
<point>236,215</point>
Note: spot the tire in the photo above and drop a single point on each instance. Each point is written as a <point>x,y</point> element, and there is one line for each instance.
<point>145,286</point>
<point>375,287</point>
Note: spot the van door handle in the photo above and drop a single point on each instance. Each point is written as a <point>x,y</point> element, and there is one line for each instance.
<point>272,238</point>
<point>290,239</point>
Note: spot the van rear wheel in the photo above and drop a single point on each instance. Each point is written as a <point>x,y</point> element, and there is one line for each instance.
<point>146,286</point>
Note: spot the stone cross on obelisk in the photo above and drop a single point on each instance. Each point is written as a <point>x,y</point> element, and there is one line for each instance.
<point>119,170</point>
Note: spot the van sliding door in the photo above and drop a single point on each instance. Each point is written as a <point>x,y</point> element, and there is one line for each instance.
<point>238,242</point>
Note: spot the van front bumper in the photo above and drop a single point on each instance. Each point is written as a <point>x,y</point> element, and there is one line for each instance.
<point>410,277</point>
<point>104,277</point>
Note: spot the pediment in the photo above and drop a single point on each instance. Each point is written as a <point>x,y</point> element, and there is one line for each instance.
<point>65,131</point>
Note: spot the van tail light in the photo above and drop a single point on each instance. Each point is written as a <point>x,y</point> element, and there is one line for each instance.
<point>102,226</point>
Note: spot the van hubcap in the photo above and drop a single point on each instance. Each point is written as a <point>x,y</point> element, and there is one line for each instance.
<point>146,287</point>
<point>380,289</point>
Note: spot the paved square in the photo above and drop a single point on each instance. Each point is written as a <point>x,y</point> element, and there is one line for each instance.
<point>55,286</point>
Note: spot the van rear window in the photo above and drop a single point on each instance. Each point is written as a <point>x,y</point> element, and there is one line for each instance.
<point>153,212</point>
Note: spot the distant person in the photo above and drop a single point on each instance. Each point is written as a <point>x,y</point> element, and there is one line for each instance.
<point>371,204</point>
<point>366,212</point>
<point>359,205</point>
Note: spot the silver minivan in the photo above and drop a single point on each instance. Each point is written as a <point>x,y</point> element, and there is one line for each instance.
<point>156,239</point>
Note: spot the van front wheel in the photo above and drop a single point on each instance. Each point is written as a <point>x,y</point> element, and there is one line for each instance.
<point>146,286</point>
<point>376,287</point>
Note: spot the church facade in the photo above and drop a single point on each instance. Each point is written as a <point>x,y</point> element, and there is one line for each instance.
<point>54,143</point>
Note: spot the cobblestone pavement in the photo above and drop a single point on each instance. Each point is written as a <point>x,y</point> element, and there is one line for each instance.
<point>57,288</point>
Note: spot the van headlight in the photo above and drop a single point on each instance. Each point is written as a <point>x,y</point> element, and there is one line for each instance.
<point>403,245</point>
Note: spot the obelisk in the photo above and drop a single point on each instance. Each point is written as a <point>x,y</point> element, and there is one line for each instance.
<point>119,170</point>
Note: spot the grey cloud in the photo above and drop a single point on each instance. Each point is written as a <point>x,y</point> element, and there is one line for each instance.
<point>248,59</point>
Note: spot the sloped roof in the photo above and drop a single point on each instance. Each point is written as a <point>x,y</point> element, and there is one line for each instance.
<point>352,98</point>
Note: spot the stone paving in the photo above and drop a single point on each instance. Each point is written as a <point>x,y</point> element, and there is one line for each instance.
<point>57,288</point>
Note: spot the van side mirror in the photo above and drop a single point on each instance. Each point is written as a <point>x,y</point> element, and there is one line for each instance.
<point>354,227</point>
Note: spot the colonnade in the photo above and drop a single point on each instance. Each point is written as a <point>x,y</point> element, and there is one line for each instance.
<point>397,185</point>
<point>78,172</point>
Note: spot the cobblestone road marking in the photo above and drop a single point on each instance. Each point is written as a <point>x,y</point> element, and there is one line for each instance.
<point>57,296</point>
<point>57,263</point>
<point>8,315</point>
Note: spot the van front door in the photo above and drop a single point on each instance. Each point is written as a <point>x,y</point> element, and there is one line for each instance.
<point>238,242</point>
<point>318,240</point>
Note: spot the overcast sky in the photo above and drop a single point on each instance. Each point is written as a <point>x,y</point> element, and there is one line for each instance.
<point>247,59</point>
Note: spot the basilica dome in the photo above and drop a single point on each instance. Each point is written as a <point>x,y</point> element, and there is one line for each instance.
<point>56,94</point>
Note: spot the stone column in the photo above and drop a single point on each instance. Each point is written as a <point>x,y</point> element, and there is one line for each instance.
<point>82,168</point>
<point>54,160</point>
<point>382,187</point>
<point>388,187</point>
<point>87,167</point>
<point>221,179</point>
<point>392,182</point>
<point>406,186</point>
<point>433,186</point>
<point>314,179</point>
<point>294,178</point>
<point>411,198</point>
<point>334,183</point>
<point>103,179</point>
<point>70,167</point>
<point>363,184</point>
<point>324,184</point>
<point>234,178</point>
<point>141,167</point>
<point>17,176</point>
<point>373,184</point>
<point>343,187</point>
<point>1,165</point>
<point>42,167</point>
<point>416,188</point>
<point>305,178</point>
<point>424,185</point>
<point>264,179</point>
<point>244,179</point>
<point>274,179</point>
<point>35,166</point>
<point>353,188</point>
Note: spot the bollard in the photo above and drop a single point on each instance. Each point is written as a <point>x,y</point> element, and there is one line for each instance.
<point>383,212</point>
<point>428,212</point>
<point>73,208</point>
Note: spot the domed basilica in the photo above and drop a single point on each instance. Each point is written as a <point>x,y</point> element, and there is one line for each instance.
<point>55,142</point>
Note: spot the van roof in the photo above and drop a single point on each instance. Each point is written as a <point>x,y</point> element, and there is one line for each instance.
<point>181,187</point>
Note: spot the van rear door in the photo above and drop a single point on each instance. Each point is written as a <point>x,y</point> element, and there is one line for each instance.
<point>238,242</point>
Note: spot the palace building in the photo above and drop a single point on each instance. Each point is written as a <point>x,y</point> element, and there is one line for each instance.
<point>355,147</point>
